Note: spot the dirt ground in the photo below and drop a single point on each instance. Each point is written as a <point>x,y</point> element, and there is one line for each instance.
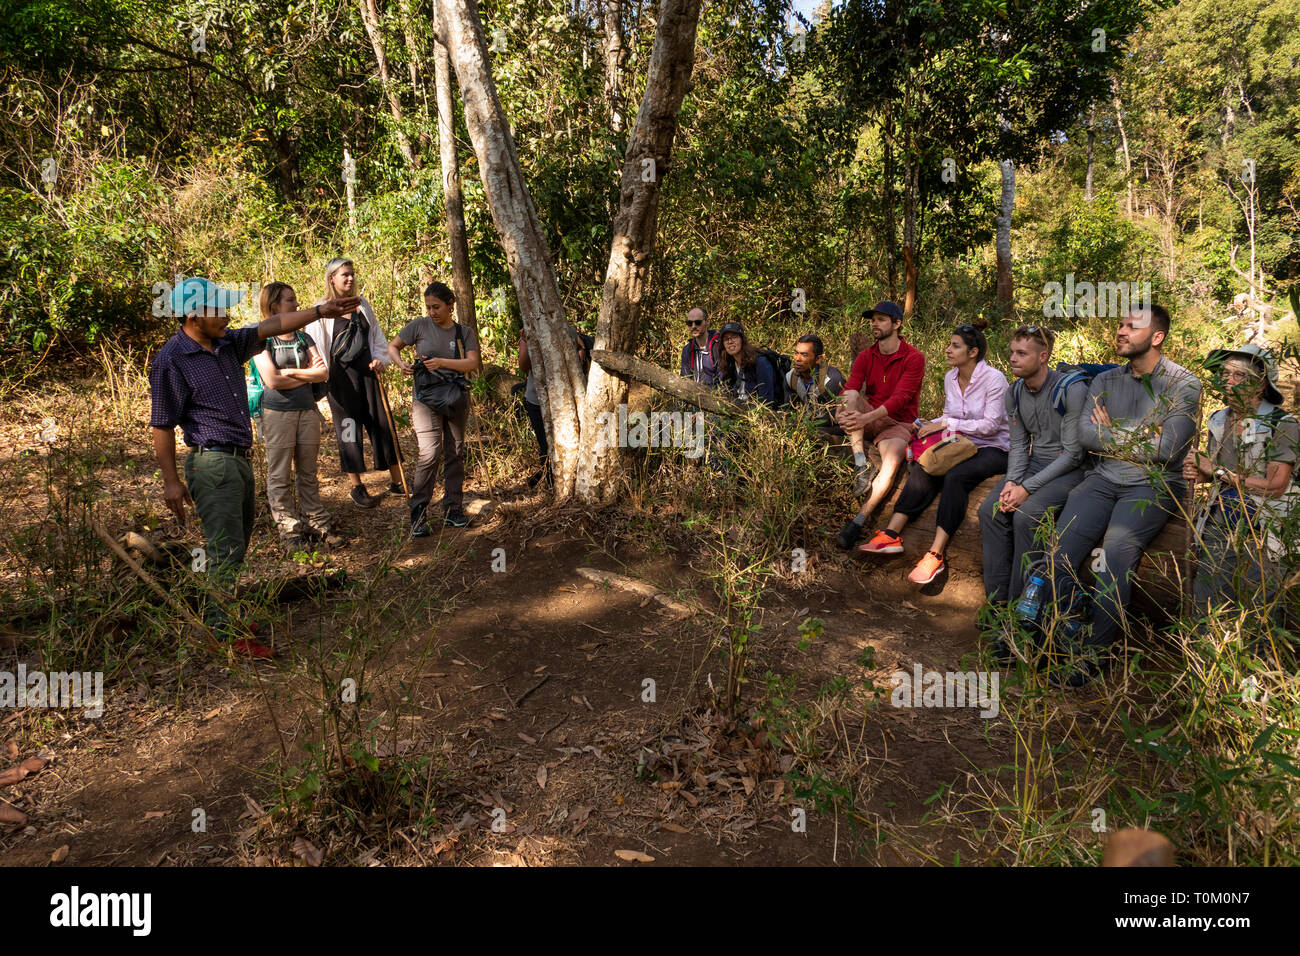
<point>527,688</point>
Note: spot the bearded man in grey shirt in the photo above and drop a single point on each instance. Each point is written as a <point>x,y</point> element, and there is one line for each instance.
<point>1043,407</point>
<point>1141,421</point>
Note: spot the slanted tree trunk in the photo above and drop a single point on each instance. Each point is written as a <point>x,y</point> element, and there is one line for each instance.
<point>557,373</point>
<point>1006,285</point>
<point>462,282</point>
<point>647,161</point>
<point>370,17</point>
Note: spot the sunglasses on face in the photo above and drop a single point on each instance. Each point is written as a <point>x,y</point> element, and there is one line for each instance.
<point>694,321</point>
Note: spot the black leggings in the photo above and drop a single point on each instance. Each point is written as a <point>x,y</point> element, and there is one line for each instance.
<point>953,487</point>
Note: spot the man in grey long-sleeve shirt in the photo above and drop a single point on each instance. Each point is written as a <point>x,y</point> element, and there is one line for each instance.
<point>1141,421</point>
<point>1043,467</point>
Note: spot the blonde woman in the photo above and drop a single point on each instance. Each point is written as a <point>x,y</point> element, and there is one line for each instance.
<point>355,349</point>
<point>290,368</point>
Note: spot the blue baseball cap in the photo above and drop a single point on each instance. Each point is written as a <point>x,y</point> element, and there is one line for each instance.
<point>195,293</point>
<point>891,309</point>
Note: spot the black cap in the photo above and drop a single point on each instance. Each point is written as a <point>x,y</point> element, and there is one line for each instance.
<point>732,327</point>
<point>891,309</point>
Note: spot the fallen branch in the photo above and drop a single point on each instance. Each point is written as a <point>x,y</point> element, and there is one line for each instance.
<point>636,587</point>
<point>686,389</point>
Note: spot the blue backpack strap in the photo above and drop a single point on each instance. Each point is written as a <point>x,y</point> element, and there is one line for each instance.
<point>1063,385</point>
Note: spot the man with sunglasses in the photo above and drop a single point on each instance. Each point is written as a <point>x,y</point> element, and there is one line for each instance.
<point>697,362</point>
<point>1042,469</point>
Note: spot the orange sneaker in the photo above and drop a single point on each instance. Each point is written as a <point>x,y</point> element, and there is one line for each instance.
<point>927,569</point>
<point>882,543</point>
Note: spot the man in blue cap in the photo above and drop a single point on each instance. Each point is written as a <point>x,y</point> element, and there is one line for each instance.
<point>197,381</point>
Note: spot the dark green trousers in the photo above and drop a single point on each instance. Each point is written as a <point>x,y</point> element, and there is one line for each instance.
<point>221,485</point>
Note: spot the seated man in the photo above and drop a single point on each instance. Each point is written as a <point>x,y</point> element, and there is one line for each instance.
<point>812,388</point>
<point>1140,419</point>
<point>881,394</point>
<point>1252,456</point>
<point>1043,407</point>
<point>697,360</point>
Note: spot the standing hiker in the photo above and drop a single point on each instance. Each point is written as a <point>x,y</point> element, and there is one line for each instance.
<point>294,374</point>
<point>440,403</point>
<point>355,349</point>
<point>197,381</point>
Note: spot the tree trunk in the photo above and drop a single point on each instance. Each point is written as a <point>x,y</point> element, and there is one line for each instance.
<point>1092,140</point>
<point>911,177</point>
<point>647,161</point>
<point>415,66</point>
<point>462,281</point>
<point>557,373</point>
<point>1128,160</point>
<point>615,55</point>
<point>890,220</point>
<point>1006,285</point>
<point>370,17</point>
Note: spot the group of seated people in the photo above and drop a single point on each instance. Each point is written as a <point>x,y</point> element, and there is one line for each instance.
<point>1105,450</point>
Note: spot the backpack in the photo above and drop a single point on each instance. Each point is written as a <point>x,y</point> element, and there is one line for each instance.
<point>256,388</point>
<point>585,343</point>
<point>1083,372</point>
<point>443,392</point>
<point>318,389</point>
<point>781,365</point>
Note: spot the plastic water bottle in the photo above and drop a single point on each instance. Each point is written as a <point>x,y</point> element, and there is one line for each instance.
<point>1030,604</point>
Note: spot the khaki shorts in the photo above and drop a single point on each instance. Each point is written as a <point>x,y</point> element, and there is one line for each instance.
<point>885,428</point>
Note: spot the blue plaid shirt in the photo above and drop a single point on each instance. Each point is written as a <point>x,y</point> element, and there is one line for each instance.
<point>204,392</point>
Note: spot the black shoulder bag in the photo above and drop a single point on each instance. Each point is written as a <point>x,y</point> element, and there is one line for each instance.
<point>351,347</point>
<point>445,392</point>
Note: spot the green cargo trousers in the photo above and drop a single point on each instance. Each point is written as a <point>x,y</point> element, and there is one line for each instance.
<point>221,485</point>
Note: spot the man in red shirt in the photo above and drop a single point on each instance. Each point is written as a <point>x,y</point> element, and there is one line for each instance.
<point>880,403</point>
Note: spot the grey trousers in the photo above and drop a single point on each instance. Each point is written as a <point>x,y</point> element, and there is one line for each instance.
<point>441,441</point>
<point>1123,519</point>
<point>1009,541</point>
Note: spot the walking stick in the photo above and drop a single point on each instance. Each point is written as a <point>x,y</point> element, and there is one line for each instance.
<point>397,448</point>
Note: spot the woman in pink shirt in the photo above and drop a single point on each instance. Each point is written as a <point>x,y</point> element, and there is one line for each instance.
<point>974,405</point>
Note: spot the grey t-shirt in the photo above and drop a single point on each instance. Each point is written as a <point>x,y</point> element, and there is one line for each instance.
<point>432,341</point>
<point>292,353</point>
<point>1153,422</point>
<point>1044,443</point>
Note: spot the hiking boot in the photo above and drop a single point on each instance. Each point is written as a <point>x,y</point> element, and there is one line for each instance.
<point>293,543</point>
<point>419,526</point>
<point>1084,671</point>
<point>883,542</point>
<point>332,539</point>
<point>848,536</point>
<point>862,480</point>
<point>927,569</point>
<point>456,519</point>
<point>362,498</point>
<point>395,489</point>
